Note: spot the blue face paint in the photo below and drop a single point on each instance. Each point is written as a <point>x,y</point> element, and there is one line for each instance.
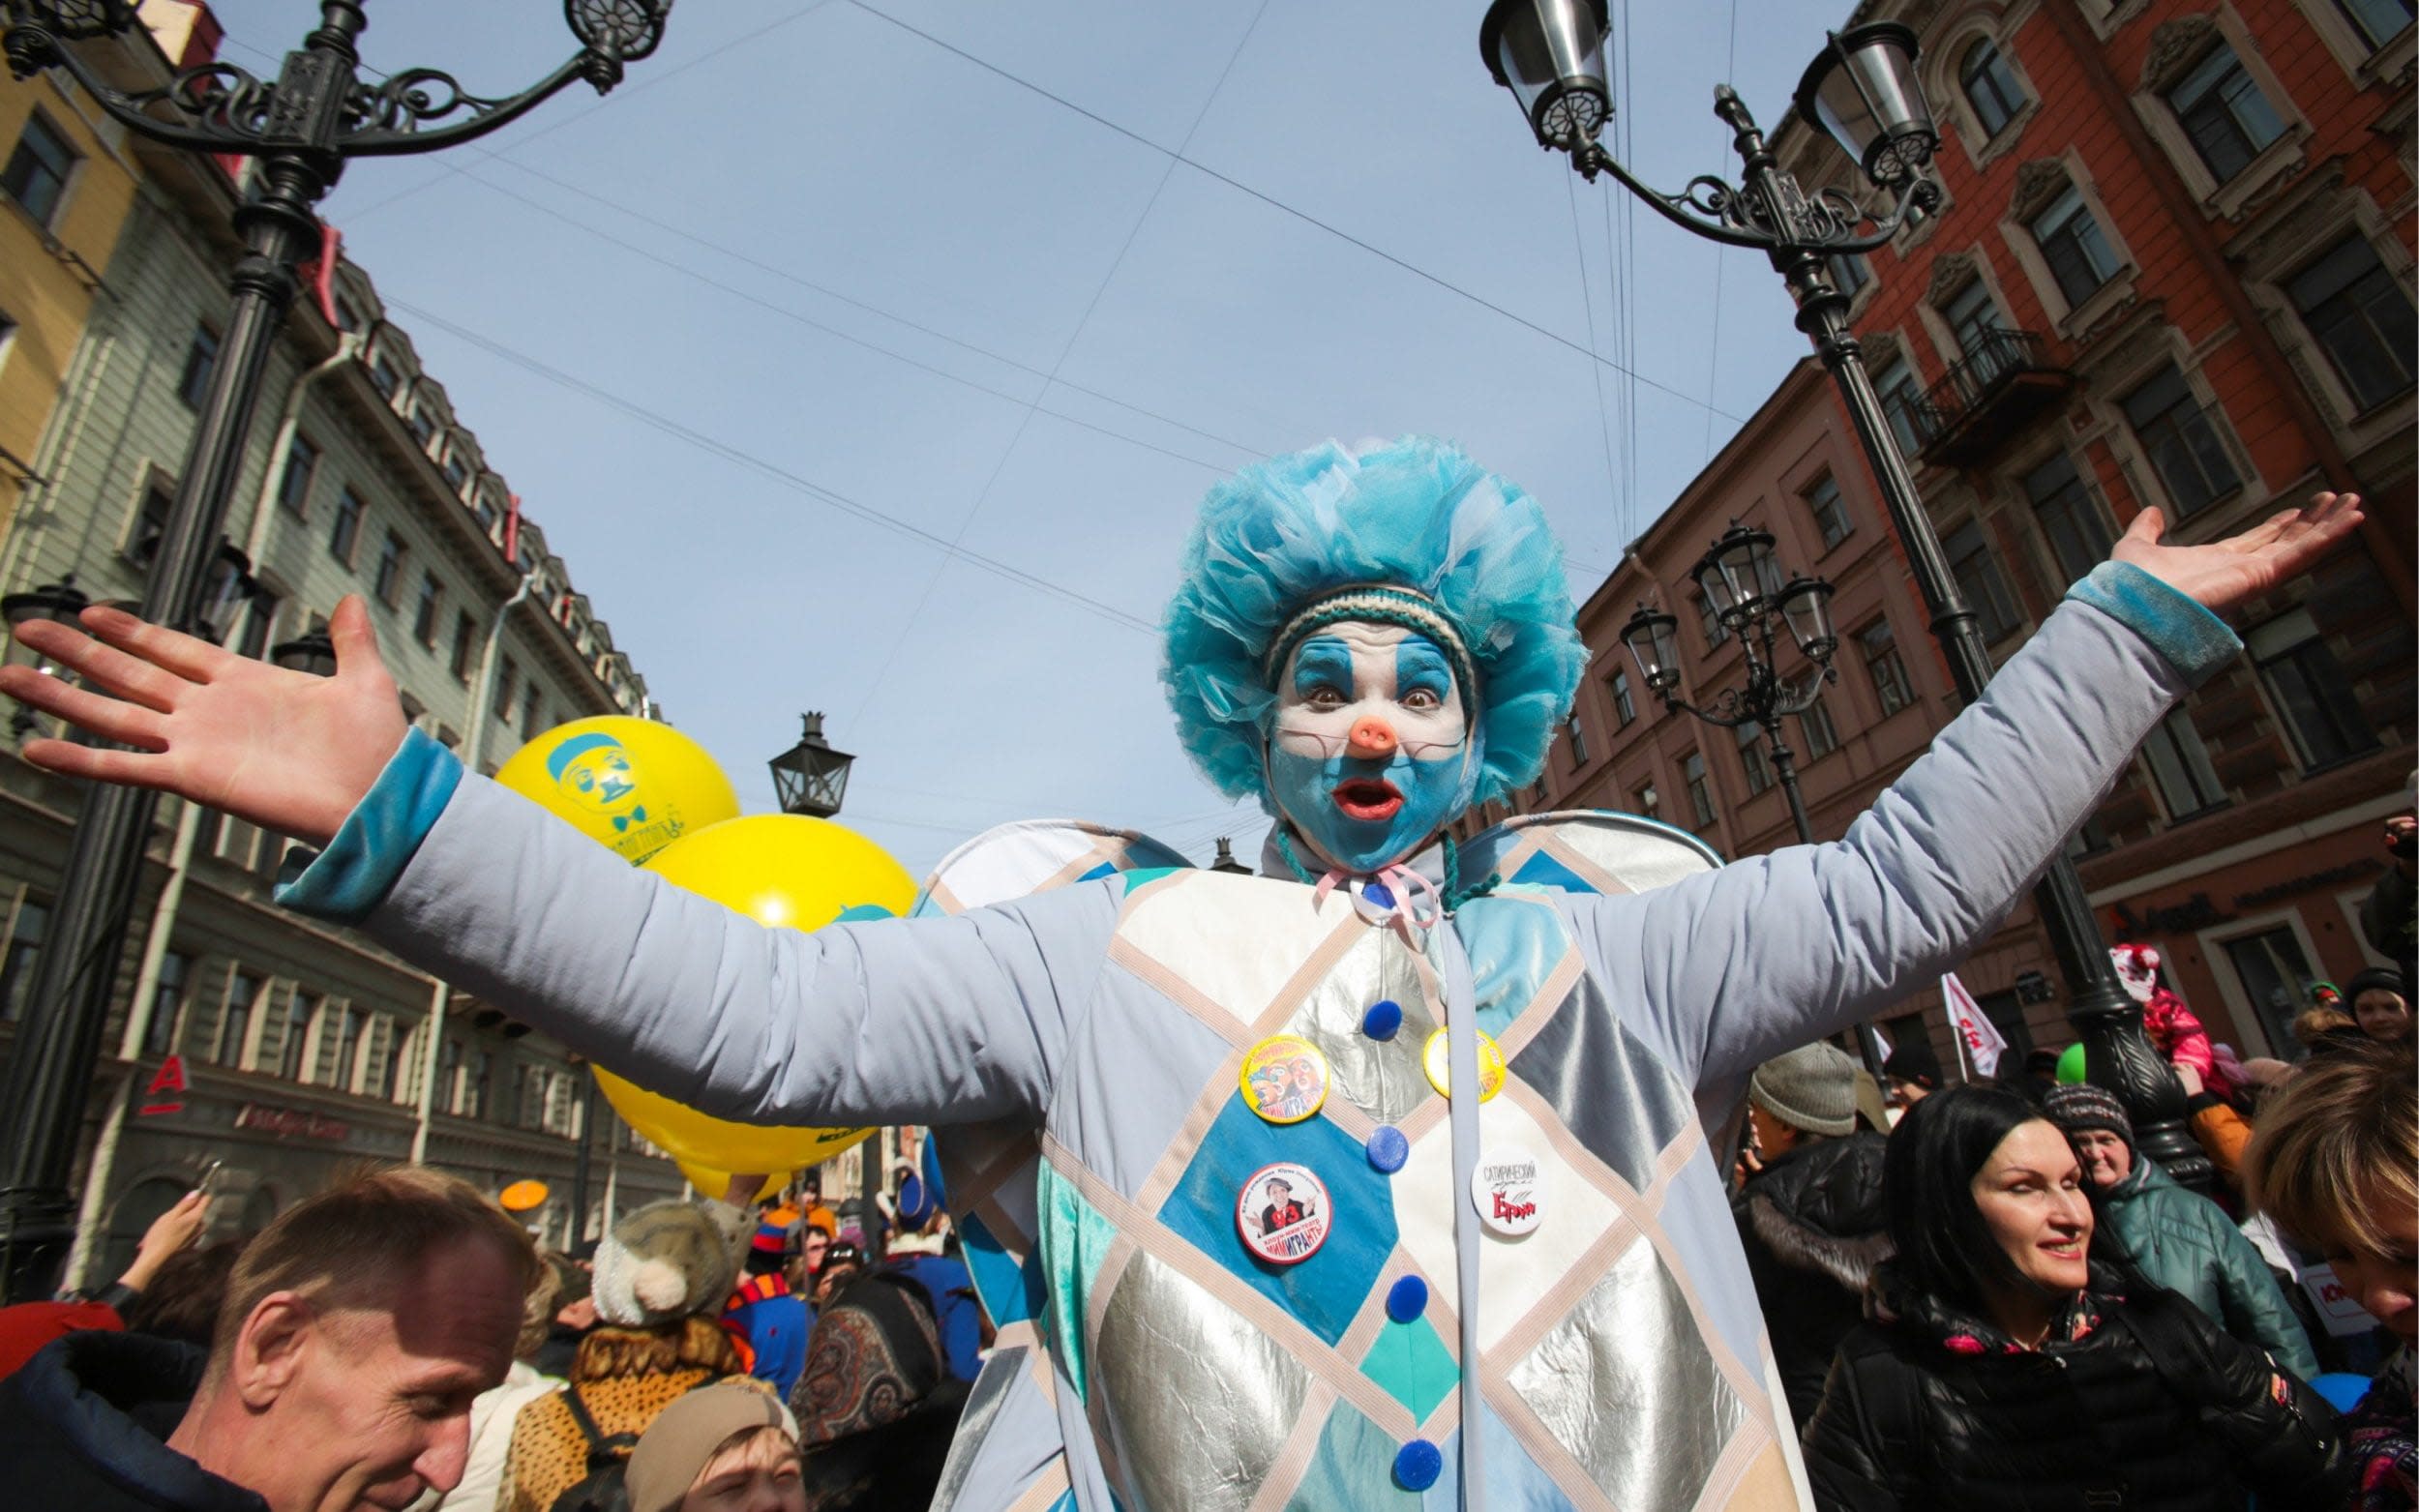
<point>1369,809</point>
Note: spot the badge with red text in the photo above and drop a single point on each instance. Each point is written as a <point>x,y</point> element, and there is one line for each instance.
<point>1282,1213</point>
<point>1432,1059</point>
<point>1508,1187</point>
<point>1284,1079</point>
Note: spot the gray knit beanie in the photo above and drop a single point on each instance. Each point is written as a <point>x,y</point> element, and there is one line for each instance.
<point>1813,1087</point>
<point>2079,1105</point>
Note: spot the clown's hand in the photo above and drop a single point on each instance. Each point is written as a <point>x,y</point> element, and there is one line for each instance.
<point>2222,574</point>
<point>290,751</point>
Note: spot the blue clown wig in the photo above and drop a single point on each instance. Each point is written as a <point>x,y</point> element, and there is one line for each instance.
<point>1282,534</point>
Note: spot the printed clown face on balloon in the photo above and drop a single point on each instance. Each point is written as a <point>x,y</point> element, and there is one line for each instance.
<point>594,772</point>
<point>1369,754</point>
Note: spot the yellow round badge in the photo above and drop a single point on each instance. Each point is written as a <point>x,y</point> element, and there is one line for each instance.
<point>1441,1076</point>
<point>1284,1079</point>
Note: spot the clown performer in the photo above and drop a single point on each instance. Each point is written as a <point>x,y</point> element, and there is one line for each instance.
<point>1370,643</point>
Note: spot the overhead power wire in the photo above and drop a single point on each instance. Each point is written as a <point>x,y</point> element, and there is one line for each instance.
<point>907,629</point>
<point>771,469</point>
<point>1198,166</point>
<point>1721,262</point>
<point>1596,370</point>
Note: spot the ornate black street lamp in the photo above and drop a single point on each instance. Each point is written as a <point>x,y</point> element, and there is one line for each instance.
<point>312,652</point>
<point>1862,91</point>
<point>1742,584</point>
<point>61,601</point>
<point>300,130</point>
<point>811,778</point>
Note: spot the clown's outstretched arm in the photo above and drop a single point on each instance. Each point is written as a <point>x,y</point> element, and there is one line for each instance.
<point>933,1019</point>
<point>1770,952</point>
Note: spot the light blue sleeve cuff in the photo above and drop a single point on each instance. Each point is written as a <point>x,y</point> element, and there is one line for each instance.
<point>2194,640</point>
<point>344,883</point>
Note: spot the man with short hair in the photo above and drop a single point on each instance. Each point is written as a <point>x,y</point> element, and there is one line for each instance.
<point>358,1328</point>
<point>2175,1237</point>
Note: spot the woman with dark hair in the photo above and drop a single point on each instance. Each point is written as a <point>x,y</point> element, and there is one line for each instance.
<point>2000,1366</point>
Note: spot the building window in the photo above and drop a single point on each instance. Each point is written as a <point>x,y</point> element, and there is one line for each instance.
<point>1700,795</point>
<point>1815,726</point>
<point>1973,319</point>
<point>168,1002</point>
<point>2378,21</point>
<point>1624,710</point>
<point>388,1061</point>
<point>424,424</point>
<point>1881,662</point>
<point>2006,1011</point>
<point>38,171</point>
<point>1849,272</point>
<point>293,484</point>
<point>1990,86</point>
<point>2179,763</point>
<point>23,959</point>
<point>2182,442</point>
<point>2276,978</point>
<point>501,706</point>
<point>347,315</point>
<point>457,471</point>
<point>1901,402</point>
<point>1829,511</point>
<point>482,1085</point>
<point>529,719</point>
<point>1976,568</point>
<point>202,359</point>
<point>1649,803</point>
<point>448,1098</point>
<point>350,1029</point>
<point>423,610</point>
<point>345,533</point>
<point>2071,243</point>
<point>2360,317</point>
<point>2225,113</point>
<point>2311,693</point>
<point>243,993</point>
<point>466,645</point>
<point>2070,520</point>
<point>383,377</point>
<point>1752,758</point>
<point>389,579</point>
<point>1711,623</point>
<point>300,1008</point>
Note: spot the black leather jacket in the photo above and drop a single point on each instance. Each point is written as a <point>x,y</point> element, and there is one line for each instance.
<point>2137,1401</point>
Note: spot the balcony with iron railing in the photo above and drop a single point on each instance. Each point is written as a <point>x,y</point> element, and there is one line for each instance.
<point>2001,385</point>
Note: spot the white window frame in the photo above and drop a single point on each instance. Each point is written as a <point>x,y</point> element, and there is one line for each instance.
<point>1944,61</point>
<point>2213,942</point>
<point>2388,60</point>
<point>2015,230</point>
<point>2271,166</point>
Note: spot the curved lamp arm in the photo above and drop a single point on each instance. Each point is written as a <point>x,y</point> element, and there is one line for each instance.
<point>1825,222</point>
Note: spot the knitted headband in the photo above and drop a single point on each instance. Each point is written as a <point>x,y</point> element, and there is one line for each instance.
<point>1377,604</point>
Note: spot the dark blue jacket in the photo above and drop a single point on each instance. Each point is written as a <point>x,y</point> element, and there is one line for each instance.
<point>775,1323</point>
<point>955,1312</point>
<point>84,1425</point>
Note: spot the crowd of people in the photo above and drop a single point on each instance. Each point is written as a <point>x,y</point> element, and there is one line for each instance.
<point>400,1341</point>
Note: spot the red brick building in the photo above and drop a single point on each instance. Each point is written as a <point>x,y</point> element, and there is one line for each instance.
<point>2173,268</point>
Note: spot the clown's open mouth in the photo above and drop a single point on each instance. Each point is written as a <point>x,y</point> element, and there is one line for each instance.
<point>1368,798</point>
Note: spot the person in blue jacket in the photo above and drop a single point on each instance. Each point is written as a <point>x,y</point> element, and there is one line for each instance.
<point>919,1253</point>
<point>764,1312</point>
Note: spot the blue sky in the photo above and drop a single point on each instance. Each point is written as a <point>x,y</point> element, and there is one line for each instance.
<point>948,312</point>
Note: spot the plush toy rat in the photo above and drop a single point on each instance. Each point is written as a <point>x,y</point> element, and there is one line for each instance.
<point>668,1259</point>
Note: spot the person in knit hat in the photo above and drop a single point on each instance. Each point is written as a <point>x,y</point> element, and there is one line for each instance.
<point>1811,1219</point>
<point>2175,1237</point>
<point>719,1447</point>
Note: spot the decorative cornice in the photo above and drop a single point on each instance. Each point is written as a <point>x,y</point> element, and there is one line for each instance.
<point>2175,45</point>
<point>1950,273</point>
<point>2037,183</point>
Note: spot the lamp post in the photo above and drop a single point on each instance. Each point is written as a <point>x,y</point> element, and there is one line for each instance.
<point>1743,583</point>
<point>1861,90</point>
<point>811,778</point>
<point>300,128</point>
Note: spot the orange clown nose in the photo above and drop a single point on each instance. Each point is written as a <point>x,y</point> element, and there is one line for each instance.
<point>1372,737</point>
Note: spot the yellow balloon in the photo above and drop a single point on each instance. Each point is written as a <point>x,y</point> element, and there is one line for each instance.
<point>788,872</point>
<point>716,1184</point>
<point>630,784</point>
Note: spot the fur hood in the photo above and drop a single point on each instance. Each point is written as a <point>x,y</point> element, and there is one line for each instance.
<point>1820,1209</point>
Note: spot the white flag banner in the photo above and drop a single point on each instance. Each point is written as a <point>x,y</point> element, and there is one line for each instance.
<point>1979,1040</point>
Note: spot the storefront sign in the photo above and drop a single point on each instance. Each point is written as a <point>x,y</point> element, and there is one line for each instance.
<point>164,1094</point>
<point>291,1123</point>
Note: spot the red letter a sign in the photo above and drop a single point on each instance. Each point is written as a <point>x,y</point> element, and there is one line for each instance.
<point>160,1096</point>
